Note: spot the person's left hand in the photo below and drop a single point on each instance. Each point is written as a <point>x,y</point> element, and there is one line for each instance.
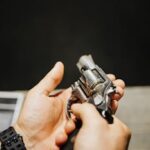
<point>43,116</point>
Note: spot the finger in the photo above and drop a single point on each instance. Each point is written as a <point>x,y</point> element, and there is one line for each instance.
<point>111,77</point>
<point>69,127</point>
<point>119,93</point>
<point>114,106</point>
<point>52,79</point>
<point>88,114</point>
<point>55,148</point>
<point>61,138</point>
<point>120,83</point>
<point>65,95</point>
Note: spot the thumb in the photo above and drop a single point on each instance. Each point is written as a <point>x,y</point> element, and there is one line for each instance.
<point>88,114</point>
<point>51,80</point>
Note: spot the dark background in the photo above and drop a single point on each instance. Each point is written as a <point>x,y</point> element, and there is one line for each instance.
<point>35,34</point>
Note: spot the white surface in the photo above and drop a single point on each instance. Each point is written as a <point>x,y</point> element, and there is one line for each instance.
<point>134,110</point>
<point>9,112</point>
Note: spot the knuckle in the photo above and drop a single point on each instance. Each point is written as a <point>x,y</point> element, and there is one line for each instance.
<point>111,76</point>
<point>126,130</point>
<point>120,82</point>
<point>119,90</point>
<point>123,130</point>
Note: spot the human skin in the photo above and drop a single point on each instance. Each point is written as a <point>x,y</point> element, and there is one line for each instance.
<point>96,133</point>
<point>42,122</point>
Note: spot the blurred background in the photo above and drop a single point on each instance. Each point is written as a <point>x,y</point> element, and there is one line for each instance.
<point>35,34</point>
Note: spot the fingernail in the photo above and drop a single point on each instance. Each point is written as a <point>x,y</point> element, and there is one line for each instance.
<point>56,64</point>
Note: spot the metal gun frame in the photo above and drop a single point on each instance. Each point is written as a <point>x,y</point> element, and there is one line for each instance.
<point>93,87</point>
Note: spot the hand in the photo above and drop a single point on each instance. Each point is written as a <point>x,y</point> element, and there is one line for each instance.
<point>96,133</point>
<point>42,117</point>
<point>120,85</point>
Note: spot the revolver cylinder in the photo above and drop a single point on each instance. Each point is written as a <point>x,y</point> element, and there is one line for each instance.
<point>93,87</point>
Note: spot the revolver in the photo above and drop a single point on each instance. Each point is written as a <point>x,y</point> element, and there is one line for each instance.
<point>93,87</point>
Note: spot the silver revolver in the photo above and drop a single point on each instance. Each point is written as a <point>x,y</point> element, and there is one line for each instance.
<point>93,87</point>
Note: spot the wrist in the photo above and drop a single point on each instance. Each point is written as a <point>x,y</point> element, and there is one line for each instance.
<point>11,140</point>
<point>28,141</point>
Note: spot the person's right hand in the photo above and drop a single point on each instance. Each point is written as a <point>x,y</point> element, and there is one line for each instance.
<point>96,133</point>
